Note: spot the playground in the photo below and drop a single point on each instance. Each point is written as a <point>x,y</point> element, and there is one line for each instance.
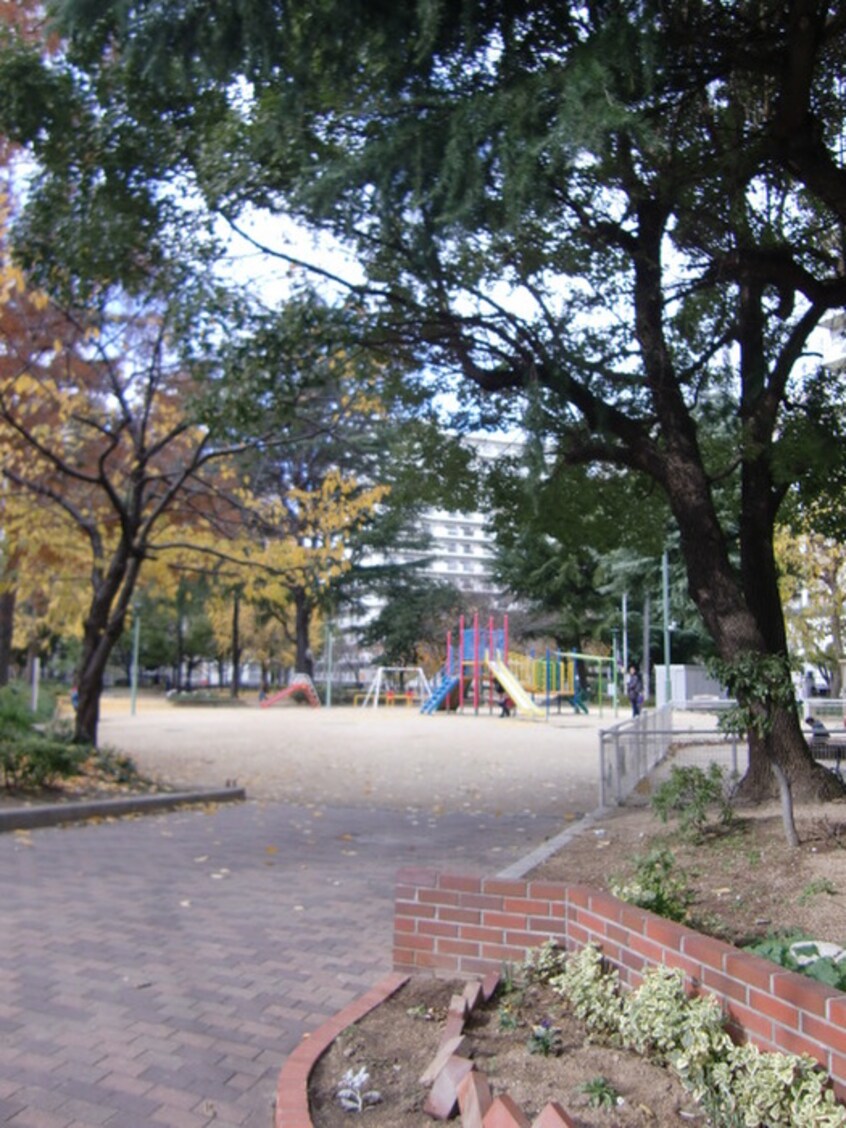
<point>352,757</point>
<point>482,673</point>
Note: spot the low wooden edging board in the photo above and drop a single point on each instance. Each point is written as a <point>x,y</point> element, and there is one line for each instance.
<point>465,927</point>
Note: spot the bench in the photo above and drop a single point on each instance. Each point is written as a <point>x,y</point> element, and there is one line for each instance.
<point>829,747</point>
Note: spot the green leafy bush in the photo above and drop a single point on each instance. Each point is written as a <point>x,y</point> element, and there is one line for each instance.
<point>33,761</point>
<point>784,948</point>
<point>690,795</point>
<point>737,1086</point>
<point>656,885</point>
<point>32,755</point>
<point>592,990</point>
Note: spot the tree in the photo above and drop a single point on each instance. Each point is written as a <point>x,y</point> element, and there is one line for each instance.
<point>813,581</point>
<point>413,622</point>
<point>622,211</point>
<point>560,533</point>
<point>95,431</point>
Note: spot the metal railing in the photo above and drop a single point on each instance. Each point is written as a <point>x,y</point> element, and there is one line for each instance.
<point>630,750</point>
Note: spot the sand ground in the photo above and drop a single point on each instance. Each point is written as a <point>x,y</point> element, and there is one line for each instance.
<point>388,757</point>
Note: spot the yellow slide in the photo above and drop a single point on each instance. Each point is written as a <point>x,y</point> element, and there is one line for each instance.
<point>516,692</point>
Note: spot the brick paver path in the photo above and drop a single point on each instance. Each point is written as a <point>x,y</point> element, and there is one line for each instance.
<point>158,970</point>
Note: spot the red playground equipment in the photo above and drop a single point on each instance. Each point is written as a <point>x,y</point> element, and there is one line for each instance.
<point>300,683</point>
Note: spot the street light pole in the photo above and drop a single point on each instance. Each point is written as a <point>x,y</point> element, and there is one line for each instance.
<point>136,647</point>
<point>625,610</point>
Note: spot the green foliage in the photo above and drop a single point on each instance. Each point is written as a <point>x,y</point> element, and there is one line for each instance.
<point>750,1088</point>
<point>814,888</point>
<point>29,758</point>
<point>542,963</point>
<point>506,1017</point>
<point>545,1039</point>
<point>600,1093</point>
<point>737,1086</point>
<point>593,991</point>
<point>660,1021</point>
<point>33,761</point>
<point>657,885</point>
<point>689,795</point>
<point>113,765</point>
<point>761,684</point>
<point>800,953</point>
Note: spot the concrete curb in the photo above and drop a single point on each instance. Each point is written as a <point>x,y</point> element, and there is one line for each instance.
<point>544,852</point>
<point>28,818</point>
<point>292,1087</point>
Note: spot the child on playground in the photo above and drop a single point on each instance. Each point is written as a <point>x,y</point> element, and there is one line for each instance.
<point>506,705</point>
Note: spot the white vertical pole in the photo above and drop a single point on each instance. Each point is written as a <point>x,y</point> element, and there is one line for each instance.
<point>665,592</point>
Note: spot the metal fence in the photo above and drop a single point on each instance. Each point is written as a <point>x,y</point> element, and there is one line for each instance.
<point>686,733</point>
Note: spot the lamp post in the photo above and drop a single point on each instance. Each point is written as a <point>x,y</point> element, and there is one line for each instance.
<point>615,667</point>
<point>328,663</point>
<point>136,647</point>
<point>665,592</point>
<point>625,612</point>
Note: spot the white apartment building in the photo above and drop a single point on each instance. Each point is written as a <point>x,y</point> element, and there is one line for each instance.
<point>461,547</point>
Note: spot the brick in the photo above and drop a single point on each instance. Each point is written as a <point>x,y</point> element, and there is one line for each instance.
<point>525,906</point>
<point>553,1116</point>
<point>474,1099</point>
<point>665,932</point>
<point>832,1037</point>
<point>453,1027</point>
<point>442,1101</point>
<point>490,984</point>
<point>548,890</point>
<point>473,994</point>
<point>505,1113</point>
<point>463,884</point>
<point>804,993</point>
<point>505,887</point>
<point>503,920</point>
<point>457,1045</point>
<point>773,1008</point>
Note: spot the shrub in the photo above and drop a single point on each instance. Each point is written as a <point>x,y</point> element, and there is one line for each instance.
<point>33,756</point>
<point>592,990</point>
<point>32,761</point>
<point>690,794</point>
<point>737,1086</point>
<point>655,885</point>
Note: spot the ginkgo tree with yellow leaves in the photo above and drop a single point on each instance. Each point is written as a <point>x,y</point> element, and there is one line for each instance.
<point>302,549</point>
<point>813,587</point>
<point>95,426</point>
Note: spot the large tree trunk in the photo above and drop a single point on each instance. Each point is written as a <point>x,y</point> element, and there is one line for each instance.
<point>304,660</point>
<point>7,625</point>
<point>743,621</point>
<point>91,671</point>
<point>103,627</point>
<point>236,643</point>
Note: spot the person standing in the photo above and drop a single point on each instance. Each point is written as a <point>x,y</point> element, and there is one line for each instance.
<point>634,689</point>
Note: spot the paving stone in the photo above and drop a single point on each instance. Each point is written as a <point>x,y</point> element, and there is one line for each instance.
<point>126,965</point>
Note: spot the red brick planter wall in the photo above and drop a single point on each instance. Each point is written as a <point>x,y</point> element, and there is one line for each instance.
<point>451,925</point>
